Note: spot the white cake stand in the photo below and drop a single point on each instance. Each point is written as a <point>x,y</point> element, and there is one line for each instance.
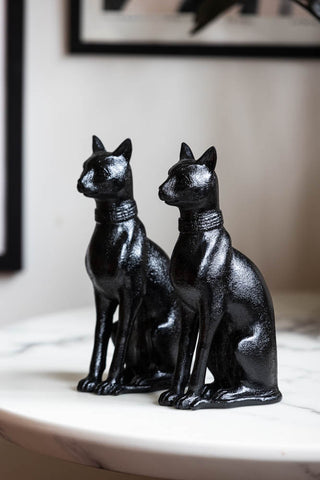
<point>41,361</point>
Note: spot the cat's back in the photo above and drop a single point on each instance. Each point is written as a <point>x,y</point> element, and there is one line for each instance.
<point>246,282</point>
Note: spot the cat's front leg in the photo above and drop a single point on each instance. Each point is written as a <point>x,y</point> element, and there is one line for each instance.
<point>188,338</point>
<point>210,314</point>
<point>105,309</point>
<point>128,310</point>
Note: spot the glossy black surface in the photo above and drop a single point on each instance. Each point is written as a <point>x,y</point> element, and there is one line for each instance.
<point>130,271</point>
<point>224,300</point>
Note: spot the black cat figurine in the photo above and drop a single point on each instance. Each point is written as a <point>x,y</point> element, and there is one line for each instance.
<point>129,270</point>
<point>225,301</point>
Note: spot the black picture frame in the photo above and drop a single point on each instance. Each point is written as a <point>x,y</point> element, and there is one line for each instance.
<point>11,258</point>
<point>77,46</point>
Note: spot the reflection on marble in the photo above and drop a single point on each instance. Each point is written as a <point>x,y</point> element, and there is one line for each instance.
<point>42,359</point>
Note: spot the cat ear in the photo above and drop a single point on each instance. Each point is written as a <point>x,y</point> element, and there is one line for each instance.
<point>209,158</point>
<point>186,152</point>
<point>97,145</point>
<point>124,149</point>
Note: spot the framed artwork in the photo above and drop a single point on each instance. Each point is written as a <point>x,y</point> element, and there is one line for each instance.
<point>11,36</point>
<point>260,28</point>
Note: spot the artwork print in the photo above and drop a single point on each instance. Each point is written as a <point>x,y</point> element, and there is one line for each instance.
<point>150,26</point>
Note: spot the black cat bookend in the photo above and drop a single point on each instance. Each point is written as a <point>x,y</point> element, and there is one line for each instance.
<point>130,271</point>
<point>226,307</point>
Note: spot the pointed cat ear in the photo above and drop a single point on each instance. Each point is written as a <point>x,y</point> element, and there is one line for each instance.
<point>209,158</point>
<point>186,152</point>
<point>97,145</point>
<point>124,149</point>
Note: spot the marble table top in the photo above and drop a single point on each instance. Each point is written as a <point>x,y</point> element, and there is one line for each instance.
<point>42,359</point>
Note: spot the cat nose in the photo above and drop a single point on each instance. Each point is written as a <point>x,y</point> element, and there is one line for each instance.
<point>161,192</point>
<point>80,186</point>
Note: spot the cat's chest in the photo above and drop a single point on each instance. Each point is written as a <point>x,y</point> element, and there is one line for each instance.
<point>113,253</point>
<point>197,262</point>
<point>187,266</point>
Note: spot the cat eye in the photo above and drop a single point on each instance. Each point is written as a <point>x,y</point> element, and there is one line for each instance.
<point>184,178</point>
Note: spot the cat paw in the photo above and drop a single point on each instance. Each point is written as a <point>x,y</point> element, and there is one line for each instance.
<point>208,390</point>
<point>153,381</point>
<point>87,384</point>
<point>186,401</point>
<point>139,380</point>
<point>108,388</point>
<point>201,403</point>
<point>168,398</point>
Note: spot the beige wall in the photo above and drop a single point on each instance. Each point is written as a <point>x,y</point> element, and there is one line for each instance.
<point>263,116</point>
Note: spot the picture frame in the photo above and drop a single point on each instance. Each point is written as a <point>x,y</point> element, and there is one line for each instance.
<point>11,136</point>
<point>97,39</point>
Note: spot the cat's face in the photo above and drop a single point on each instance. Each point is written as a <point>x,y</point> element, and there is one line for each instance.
<point>190,182</point>
<point>106,174</point>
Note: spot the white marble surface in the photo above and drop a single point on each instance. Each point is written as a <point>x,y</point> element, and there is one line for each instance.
<point>42,359</point>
